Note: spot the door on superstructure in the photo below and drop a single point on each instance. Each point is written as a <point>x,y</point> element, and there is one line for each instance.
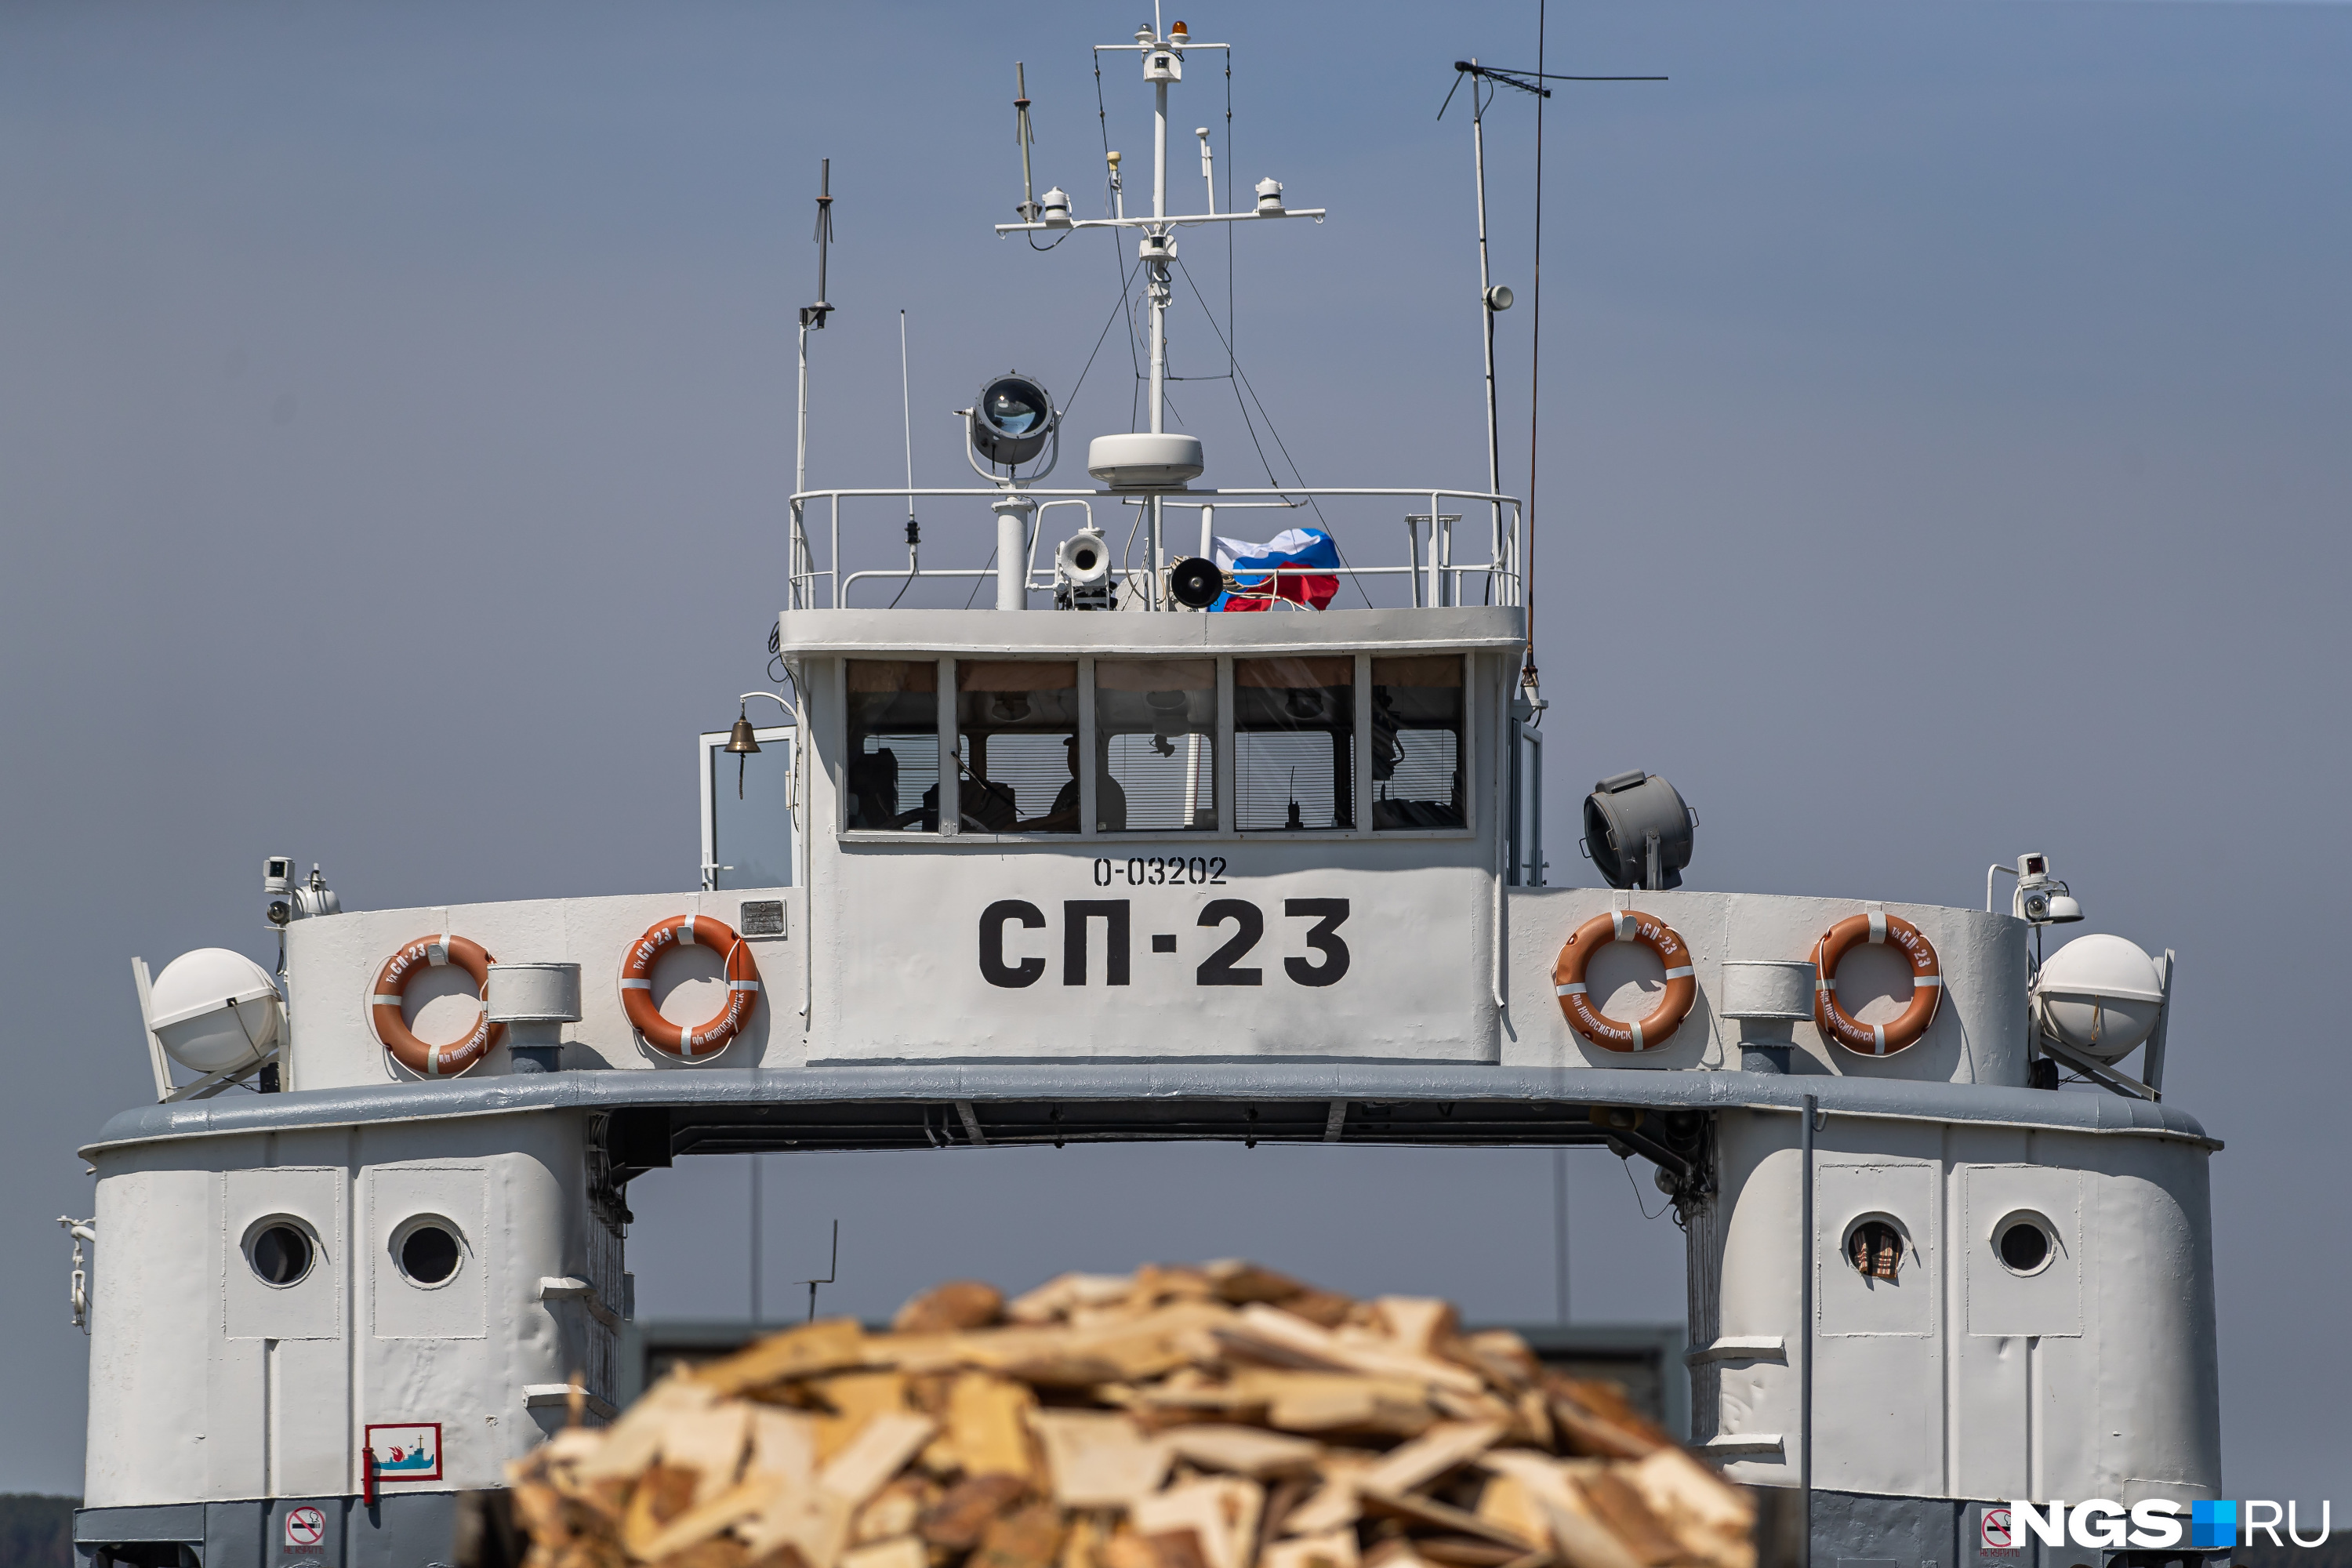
<point>747,810</point>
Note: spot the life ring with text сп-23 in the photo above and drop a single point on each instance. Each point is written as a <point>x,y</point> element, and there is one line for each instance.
<point>637,986</point>
<point>392,1030</point>
<point>1876,928</point>
<point>1625,925</point>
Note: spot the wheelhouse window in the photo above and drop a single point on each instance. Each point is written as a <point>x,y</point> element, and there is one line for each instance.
<point>1294,743</point>
<point>1155,743</point>
<point>1017,746</point>
<point>892,778</point>
<point>1418,777</point>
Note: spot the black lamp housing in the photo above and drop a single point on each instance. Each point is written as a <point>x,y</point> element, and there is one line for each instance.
<point>1011,419</point>
<point>1620,815</point>
<point>1194,583</point>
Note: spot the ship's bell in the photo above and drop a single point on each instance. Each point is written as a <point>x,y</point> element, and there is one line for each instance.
<point>740,743</point>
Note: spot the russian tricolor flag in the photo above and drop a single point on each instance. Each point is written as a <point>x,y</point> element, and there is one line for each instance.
<point>1293,547</point>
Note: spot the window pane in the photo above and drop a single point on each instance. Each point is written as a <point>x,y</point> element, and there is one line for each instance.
<point>894,745</point>
<point>1016,739</point>
<point>1417,773</point>
<point>1294,742</point>
<point>751,815</point>
<point>1156,723</point>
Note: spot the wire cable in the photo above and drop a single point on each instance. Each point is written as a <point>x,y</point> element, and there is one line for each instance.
<point>1242,380</point>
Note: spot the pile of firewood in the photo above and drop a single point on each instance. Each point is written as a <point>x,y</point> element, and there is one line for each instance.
<point>1222,1416</point>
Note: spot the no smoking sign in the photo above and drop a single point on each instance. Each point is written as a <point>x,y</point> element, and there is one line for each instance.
<point>306,1529</point>
<point>1997,1533</point>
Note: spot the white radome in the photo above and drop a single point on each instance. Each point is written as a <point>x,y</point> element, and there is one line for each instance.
<point>215,1011</point>
<point>2100,996</point>
<point>1144,459</point>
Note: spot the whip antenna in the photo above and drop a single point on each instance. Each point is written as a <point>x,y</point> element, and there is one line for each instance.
<point>1028,209</point>
<point>906,416</point>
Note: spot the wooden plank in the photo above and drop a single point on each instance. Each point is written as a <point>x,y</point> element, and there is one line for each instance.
<point>709,1442</point>
<point>814,1523</point>
<point>828,1345</point>
<point>1416,1323</point>
<point>1434,1515</point>
<point>962,1516</point>
<point>783,1444</point>
<point>855,1398</point>
<point>1281,1337</point>
<point>898,1552</point>
<point>1098,1459</point>
<point>987,1426</point>
<point>631,1442</point>
<point>705,1519</point>
<point>1331,1548</point>
<point>886,1444</point>
<point>1713,1520</point>
<point>1028,1537</point>
<point>1581,1541</point>
<point>1222,1515</point>
<point>1243,1450</point>
<point>896,1510</point>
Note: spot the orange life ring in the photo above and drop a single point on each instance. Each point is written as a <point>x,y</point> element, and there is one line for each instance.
<point>1878,929</point>
<point>1625,925</point>
<point>392,1030</point>
<point>637,986</point>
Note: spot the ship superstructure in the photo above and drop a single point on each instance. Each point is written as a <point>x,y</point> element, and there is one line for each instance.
<point>1171,842</point>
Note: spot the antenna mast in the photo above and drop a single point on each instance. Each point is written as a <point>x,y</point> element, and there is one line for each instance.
<point>811,316</point>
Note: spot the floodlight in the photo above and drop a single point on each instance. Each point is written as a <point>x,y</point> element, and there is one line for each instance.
<point>1012,420</point>
<point>1638,831</point>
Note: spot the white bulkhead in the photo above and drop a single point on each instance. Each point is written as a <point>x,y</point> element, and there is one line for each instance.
<point>210,1379</point>
<point>2047,1329</point>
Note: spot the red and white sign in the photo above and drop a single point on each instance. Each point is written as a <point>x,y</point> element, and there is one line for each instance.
<point>305,1528</point>
<point>1996,1532</point>
<point>403,1451</point>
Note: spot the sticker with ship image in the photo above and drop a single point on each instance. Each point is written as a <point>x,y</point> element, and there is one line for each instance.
<point>405,1451</point>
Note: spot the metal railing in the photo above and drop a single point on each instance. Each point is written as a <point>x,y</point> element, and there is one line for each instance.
<point>1426,573</point>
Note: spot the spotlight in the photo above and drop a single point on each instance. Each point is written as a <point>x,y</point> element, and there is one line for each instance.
<point>1638,831</point>
<point>1194,583</point>
<point>1012,420</point>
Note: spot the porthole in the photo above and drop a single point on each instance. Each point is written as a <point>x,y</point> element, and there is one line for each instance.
<point>2024,1243</point>
<point>280,1252</point>
<point>429,1251</point>
<point>1877,1248</point>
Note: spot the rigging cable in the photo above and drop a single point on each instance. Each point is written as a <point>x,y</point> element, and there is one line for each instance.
<point>1110,209</point>
<point>1242,380</point>
<point>1528,677</point>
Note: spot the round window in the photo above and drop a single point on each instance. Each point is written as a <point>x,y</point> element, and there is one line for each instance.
<point>280,1252</point>
<point>1876,1249</point>
<point>429,1252</point>
<point>2023,1243</point>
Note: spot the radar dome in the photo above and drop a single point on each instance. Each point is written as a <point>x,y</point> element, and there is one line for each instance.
<point>215,1011</point>
<point>2099,995</point>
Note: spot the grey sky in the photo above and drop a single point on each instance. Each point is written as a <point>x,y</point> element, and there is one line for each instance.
<point>1945,455</point>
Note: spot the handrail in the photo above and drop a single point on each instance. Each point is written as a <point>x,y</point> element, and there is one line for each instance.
<point>1434,575</point>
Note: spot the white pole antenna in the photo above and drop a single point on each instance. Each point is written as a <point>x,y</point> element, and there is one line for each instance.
<point>906,417</point>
